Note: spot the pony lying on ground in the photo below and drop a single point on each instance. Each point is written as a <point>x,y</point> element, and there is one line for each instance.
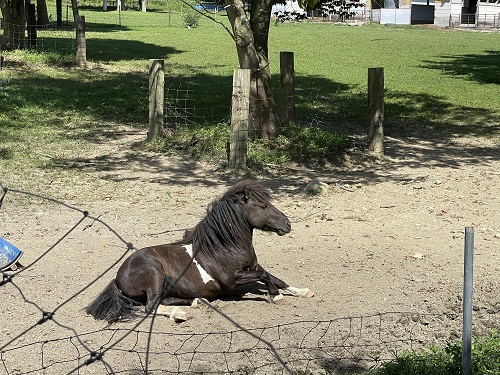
<point>213,258</point>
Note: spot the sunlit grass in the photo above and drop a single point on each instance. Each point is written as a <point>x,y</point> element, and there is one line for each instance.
<point>434,360</point>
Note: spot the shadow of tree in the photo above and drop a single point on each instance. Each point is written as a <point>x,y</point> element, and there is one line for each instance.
<point>120,49</point>
<point>480,68</point>
<point>114,96</point>
<point>104,27</point>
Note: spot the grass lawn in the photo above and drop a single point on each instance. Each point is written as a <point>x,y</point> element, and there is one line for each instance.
<point>444,79</point>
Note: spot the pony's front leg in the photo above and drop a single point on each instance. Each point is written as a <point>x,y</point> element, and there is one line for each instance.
<point>296,292</point>
<point>292,291</point>
<point>246,277</point>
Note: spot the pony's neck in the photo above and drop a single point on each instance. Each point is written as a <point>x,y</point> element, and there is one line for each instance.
<point>224,230</point>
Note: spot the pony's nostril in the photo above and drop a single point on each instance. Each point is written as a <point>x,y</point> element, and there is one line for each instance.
<point>289,225</point>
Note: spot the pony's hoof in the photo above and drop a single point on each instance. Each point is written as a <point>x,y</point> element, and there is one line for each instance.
<point>299,292</point>
<point>174,313</point>
<point>277,299</point>
<point>309,294</point>
<point>180,317</point>
<point>199,302</point>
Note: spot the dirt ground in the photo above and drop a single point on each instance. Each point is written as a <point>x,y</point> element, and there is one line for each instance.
<point>383,250</point>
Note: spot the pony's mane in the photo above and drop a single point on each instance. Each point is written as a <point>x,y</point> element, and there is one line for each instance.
<point>222,227</point>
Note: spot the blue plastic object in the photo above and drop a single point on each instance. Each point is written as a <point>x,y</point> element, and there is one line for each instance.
<point>9,255</point>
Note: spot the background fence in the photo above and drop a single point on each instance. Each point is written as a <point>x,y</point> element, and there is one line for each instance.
<point>37,339</point>
<point>475,21</point>
<point>50,39</point>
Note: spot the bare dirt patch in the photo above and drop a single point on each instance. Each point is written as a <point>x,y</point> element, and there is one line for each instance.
<point>383,250</point>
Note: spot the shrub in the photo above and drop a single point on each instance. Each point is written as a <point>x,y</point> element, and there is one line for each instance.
<point>191,19</point>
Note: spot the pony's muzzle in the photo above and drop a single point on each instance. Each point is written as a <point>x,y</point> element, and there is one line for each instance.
<point>287,228</point>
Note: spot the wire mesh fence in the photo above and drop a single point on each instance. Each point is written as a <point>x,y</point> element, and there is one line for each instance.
<point>57,337</point>
<point>48,39</point>
<point>189,103</point>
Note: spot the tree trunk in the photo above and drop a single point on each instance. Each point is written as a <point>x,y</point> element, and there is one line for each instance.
<point>76,13</point>
<point>42,15</point>
<point>251,39</point>
<point>14,20</point>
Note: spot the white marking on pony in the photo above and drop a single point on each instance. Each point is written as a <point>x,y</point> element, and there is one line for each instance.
<point>204,274</point>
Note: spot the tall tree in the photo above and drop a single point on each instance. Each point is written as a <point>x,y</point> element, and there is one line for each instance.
<point>14,21</point>
<point>250,35</point>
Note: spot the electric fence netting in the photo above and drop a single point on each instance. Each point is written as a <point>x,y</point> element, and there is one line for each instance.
<point>45,328</point>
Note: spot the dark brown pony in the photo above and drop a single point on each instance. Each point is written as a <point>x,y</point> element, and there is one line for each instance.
<point>215,257</point>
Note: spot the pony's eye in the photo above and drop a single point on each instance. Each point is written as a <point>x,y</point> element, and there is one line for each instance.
<point>264,206</point>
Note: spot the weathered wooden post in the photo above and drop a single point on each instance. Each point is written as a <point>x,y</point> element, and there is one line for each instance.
<point>81,43</point>
<point>287,79</point>
<point>376,110</point>
<point>156,98</point>
<point>31,25</point>
<point>239,119</point>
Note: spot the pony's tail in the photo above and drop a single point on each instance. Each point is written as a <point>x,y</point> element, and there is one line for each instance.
<point>112,305</point>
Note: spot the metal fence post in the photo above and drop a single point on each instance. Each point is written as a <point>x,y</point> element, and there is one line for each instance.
<point>467,301</point>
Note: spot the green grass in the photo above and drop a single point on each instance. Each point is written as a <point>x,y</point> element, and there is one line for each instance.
<point>448,360</point>
<point>295,144</point>
<point>444,80</point>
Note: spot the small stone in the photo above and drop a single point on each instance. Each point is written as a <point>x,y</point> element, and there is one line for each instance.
<point>316,188</point>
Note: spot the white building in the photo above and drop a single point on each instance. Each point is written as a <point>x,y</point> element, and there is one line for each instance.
<point>467,12</point>
<point>446,13</point>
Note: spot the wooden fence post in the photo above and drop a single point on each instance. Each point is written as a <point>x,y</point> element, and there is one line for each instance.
<point>287,79</point>
<point>376,110</point>
<point>32,26</point>
<point>156,98</point>
<point>59,14</point>
<point>240,115</point>
<point>81,43</point>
